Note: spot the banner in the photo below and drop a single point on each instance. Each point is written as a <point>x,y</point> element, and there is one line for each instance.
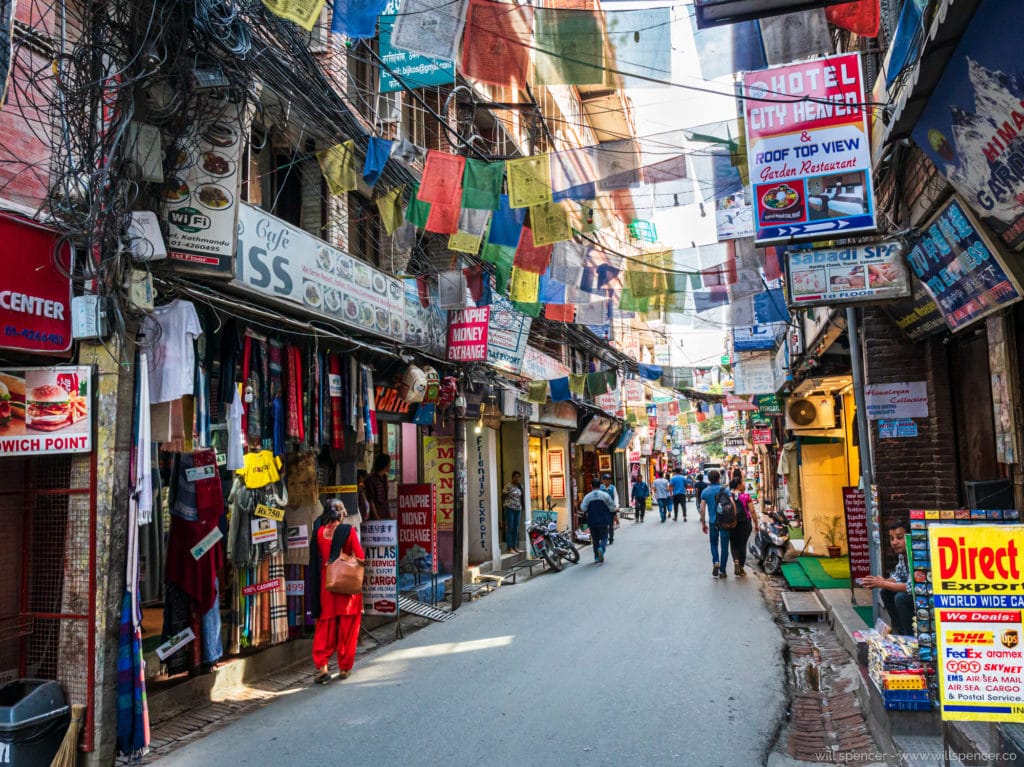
<point>379,539</point>
<point>45,410</point>
<point>507,334</point>
<point>961,269</point>
<point>851,275</point>
<point>971,126</point>
<point>439,471</point>
<point>808,150</point>
<point>896,400</point>
<point>417,528</point>
<point>467,334</point>
<point>35,292</point>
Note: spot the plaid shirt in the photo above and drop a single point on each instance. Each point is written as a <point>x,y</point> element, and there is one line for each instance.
<point>901,573</point>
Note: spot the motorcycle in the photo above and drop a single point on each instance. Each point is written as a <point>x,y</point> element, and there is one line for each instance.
<point>541,540</point>
<point>563,544</point>
<point>771,542</point>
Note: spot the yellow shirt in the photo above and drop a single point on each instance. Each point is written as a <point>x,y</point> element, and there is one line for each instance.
<point>260,470</point>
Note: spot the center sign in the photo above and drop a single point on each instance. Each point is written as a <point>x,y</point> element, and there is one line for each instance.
<point>808,150</point>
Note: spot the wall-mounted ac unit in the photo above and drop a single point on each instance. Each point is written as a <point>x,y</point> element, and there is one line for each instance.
<point>810,413</point>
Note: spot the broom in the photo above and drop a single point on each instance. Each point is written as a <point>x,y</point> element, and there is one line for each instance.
<point>67,755</point>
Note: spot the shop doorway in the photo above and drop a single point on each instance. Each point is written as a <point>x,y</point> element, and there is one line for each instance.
<point>970,386</point>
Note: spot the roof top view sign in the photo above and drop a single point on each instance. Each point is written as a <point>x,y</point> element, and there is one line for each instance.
<point>854,274</point>
<point>808,150</point>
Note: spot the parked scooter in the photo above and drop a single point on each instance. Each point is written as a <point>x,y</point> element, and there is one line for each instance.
<point>771,542</point>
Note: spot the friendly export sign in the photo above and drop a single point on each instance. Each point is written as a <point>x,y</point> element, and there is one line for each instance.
<point>977,573</point>
<point>467,334</point>
<point>417,528</point>
<point>808,150</point>
<point>854,274</point>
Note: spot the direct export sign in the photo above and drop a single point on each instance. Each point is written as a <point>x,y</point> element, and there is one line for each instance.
<point>960,268</point>
<point>976,572</point>
<point>971,126</point>
<point>35,294</point>
<point>808,149</point>
<point>896,400</point>
<point>467,334</point>
<point>854,274</point>
<point>379,539</point>
<point>45,410</point>
<point>417,528</point>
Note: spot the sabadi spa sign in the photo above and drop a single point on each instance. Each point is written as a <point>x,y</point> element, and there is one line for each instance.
<point>854,274</point>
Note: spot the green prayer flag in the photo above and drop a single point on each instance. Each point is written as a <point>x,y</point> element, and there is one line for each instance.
<point>529,309</point>
<point>645,283</point>
<point>538,391</point>
<point>629,302</point>
<point>568,47</point>
<point>696,282</point>
<point>481,184</point>
<point>578,383</point>
<point>501,256</point>
<point>613,379</point>
<point>418,211</point>
<point>676,283</point>
<point>597,384</point>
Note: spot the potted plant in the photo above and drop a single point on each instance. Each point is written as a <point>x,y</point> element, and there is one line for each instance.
<point>832,530</point>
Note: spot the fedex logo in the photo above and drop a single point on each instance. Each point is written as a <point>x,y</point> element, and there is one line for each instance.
<point>965,653</point>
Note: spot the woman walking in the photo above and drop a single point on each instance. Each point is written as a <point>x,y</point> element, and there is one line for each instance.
<point>512,502</point>
<point>338,616</point>
<point>744,524</point>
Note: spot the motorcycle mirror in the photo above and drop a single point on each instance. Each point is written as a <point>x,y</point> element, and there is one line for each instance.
<point>550,501</point>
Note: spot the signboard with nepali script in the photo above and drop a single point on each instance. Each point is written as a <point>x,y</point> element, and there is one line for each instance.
<point>467,334</point>
<point>960,268</point>
<point>380,576</point>
<point>808,150</point>
<point>976,570</point>
<point>417,528</point>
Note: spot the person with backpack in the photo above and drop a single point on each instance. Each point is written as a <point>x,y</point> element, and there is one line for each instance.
<point>597,506</point>
<point>744,525</point>
<point>662,494</point>
<point>717,517</point>
<point>640,493</point>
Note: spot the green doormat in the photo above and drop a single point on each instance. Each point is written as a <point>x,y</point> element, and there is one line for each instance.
<point>837,568</point>
<point>821,579</point>
<point>865,613</point>
<point>796,577</point>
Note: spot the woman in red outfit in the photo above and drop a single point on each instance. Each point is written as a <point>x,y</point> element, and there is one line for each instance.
<point>338,616</point>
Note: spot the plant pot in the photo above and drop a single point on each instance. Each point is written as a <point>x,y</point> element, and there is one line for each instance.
<point>834,551</point>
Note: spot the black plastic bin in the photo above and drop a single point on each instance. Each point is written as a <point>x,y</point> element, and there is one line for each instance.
<point>33,720</point>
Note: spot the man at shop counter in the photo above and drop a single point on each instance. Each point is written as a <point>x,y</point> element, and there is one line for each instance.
<point>895,591</point>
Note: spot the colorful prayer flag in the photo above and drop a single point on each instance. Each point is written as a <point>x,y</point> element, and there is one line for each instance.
<point>390,209</point>
<point>305,14</point>
<point>496,46</point>
<point>525,285</point>
<point>549,223</point>
<point>442,178</point>
<point>339,167</point>
<point>531,257</point>
<point>568,47</point>
<point>529,181</point>
<point>481,184</point>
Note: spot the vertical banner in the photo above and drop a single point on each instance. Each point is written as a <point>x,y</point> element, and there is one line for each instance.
<point>417,528</point>
<point>808,150</point>
<point>439,471</point>
<point>976,575</point>
<point>380,579</point>
<point>856,512</point>
<point>482,498</point>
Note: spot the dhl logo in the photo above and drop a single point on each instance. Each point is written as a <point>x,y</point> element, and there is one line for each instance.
<point>969,637</point>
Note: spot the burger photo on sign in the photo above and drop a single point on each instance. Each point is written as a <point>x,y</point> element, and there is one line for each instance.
<point>12,399</point>
<point>48,408</point>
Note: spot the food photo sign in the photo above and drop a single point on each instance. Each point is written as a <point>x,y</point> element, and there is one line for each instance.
<point>808,150</point>
<point>854,274</point>
<point>45,410</point>
<point>283,262</point>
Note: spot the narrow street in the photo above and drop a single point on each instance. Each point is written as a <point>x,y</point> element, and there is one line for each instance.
<point>644,660</point>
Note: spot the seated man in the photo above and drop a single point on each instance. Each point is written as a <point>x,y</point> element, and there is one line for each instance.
<point>896,590</point>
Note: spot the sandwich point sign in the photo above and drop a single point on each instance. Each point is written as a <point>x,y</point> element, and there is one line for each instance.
<point>45,410</point>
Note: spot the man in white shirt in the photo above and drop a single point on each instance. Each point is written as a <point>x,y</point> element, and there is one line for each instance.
<point>663,495</point>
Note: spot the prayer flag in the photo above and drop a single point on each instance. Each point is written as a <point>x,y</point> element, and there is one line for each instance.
<point>377,152</point>
<point>525,286</point>
<point>729,48</point>
<point>531,257</point>
<point>549,223</point>
<point>861,17</point>
<point>597,384</point>
<point>568,47</point>
<point>506,224</point>
<point>443,219</point>
<point>305,14</point>
<point>390,209</point>
<point>430,28</point>
<point>418,211</point>
<point>642,41</point>
<point>529,181</point>
<point>560,312</point>
<point>481,184</point>
<point>442,178</point>
<point>560,390</point>
<point>472,228</point>
<point>496,46</point>
<point>538,391</point>
<point>578,383</point>
<point>339,167</point>
<point>529,308</point>
<point>352,18</point>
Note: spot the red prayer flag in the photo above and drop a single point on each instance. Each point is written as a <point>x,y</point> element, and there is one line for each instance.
<point>474,281</point>
<point>560,312</point>
<point>442,179</point>
<point>423,288</point>
<point>443,218</point>
<point>529,257</point>
<point>713,276</point>
<point>772,267</point>
<point>862,17</point>
<point>495,48</point>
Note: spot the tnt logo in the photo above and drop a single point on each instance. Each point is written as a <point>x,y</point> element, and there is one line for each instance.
<point>969,637</point>
<point>1010,638</point>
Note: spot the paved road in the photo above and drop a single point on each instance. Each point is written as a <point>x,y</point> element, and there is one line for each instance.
<point>644,660</point>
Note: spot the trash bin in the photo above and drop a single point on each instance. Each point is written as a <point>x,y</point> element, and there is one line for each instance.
<point>33,720</point>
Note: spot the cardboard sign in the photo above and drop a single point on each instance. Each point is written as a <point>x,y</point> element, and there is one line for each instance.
<point>380,578</point>
<point>206,543</point>
<point>269,512</point>
<point>855,509</point>
<point>197,473</point>
<point>263,531</point>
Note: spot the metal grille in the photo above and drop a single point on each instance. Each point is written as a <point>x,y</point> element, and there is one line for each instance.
<point>47,617</point>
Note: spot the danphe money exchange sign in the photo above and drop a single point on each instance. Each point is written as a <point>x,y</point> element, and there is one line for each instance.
<point>808,150</point>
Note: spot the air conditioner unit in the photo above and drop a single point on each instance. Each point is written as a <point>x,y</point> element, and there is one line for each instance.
<point>810,413</point>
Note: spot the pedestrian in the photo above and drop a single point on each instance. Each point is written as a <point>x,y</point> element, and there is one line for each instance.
<point>698,487</point>
<point>719,539</point>
<point>377,487</point>
<point>895,591</point>
<point>598,509</point>
<point>512,502</point>
<point>362,496</point>
<point>613,494</point>
<point>678,483</point>
<point>337,616</point>
<point>640,493</point>
<point>739,535</point>
<point>663,495</point>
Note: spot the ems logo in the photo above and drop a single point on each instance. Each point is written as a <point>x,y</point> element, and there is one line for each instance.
<point>1010,638</point>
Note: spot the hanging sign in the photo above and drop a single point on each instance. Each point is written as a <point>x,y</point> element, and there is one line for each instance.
<point>855,510</point>
<point>896,400</point>
<point>262,531</point>
<point>259,588</point>
<point>761,436</point>
<point>850,275</point>
<point>379,539</point>
<point>269,512</point>
<point>467,334</point>
<point>961,268</point>
<point>208,542</point>
<point>175,643</point>
<point>507,334</point>
<point>413,70</point>
<point>439,471</point>
<point>417,528</point>
<point>808,150</point>
<point>45,410</point>
<point>917,316</point>
<point>35,292</point>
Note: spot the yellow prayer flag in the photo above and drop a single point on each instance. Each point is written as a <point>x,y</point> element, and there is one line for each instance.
<point>390,209</point>
<point>529,181</point>
<point>339,167</point>
<point>525,286</point>
<point>549,223</point>
<point>465,242</point>
<point>305,13</point>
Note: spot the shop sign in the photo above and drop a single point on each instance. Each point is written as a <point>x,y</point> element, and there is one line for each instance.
<point>45,410</point>
<point>591,433</point>
<point>978,620</point>
<point>898,429</point>
<point>507,334</point>
<point>379,539</point>
<point>481,487</point>
<point>961,268</point>
<point>753,338</point>
<point>439,470</point>
<point>856,512</point>
<point>260,588</point>
<point>388,400</point>
<point>35,293</point>
<point>417,528</point>
<point>851,275</point>
<point>769,405</point>
<point>734,441</point>
<point>810,160</point>
<point>200,193</point>
<point>970,126</point>
<point>739,404</point>
<point>761,436</point>
<point>609,402</point>
<point>635,393</point>
<point>561,414</point>
<point>538,366</point>
<point>467,334</point>
<point>262,531</point>
<point>753,373</point>
<point>896,400</point>
<point>283,262</point>
<point>413,70</point>
<point>918,316</point>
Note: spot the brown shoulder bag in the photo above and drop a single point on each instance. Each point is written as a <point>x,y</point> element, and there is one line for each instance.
<point>344,571</point>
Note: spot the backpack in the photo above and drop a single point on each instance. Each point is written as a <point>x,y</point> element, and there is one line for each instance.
<point>727,517</point>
